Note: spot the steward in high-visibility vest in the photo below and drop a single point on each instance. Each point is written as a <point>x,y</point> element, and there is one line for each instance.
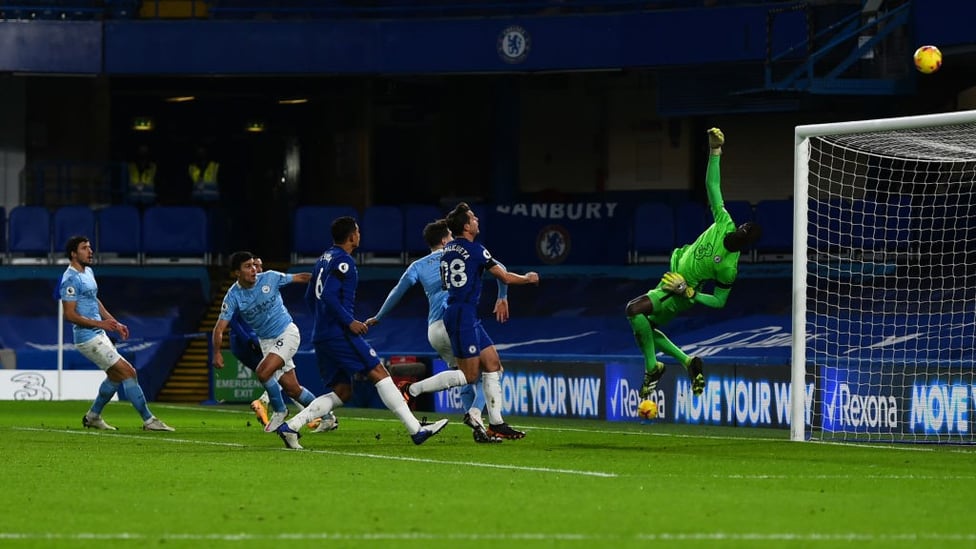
<point>203,174</point>
<point>142,182</point>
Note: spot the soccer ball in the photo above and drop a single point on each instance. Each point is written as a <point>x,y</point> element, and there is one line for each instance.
<point>647,409</point>
<point>928,59</point>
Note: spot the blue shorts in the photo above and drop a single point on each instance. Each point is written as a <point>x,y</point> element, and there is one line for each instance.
<point>468,336</point>
<point>339,359</point>
<point>245,353</point>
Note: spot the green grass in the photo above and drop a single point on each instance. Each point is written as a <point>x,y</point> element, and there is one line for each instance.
<point>220,481</point>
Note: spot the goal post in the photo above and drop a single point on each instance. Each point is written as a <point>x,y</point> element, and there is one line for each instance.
<point>884,280</point>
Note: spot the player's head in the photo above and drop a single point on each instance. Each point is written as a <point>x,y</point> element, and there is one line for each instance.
<point>78,248</point>
<point>744,236</point>
<point>345,230</point>
<point>239,258</point>
<point>461,219</point>
<point>258,264</point>
<point>436,232</point>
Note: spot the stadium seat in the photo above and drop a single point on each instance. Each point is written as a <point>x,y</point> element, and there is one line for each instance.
<point>29,234</point>
<point>653,233</point>
<point>175,234</point>
<point>415,218</point>
<point>690,219</point>
<point>312,232</point>
<point>776,219</point>
<point>70,221</point>
<point>119,231</point>
<point>3,231</point>
<point>382,236</point>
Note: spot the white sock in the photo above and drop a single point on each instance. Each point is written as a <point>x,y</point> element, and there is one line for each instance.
<point>492,382</point>
<point>264,399</point>
<point>475,414</point>
<point>317,408</point>
<point>394,401</point>
<point>439,382</point>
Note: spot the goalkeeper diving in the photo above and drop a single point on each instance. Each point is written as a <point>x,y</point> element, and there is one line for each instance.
<point>713,256</point>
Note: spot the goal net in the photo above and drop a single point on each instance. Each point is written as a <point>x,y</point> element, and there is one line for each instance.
<point>884,300</point>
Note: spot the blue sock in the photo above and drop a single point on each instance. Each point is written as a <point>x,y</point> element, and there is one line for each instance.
<point>274,395</point>
<point>306,397</point>
<point>105,393</point>
<point>134,393</point>
<point>472,396</point>
<point>467,396</point>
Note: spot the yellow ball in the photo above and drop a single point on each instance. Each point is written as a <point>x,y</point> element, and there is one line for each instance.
<point>928,59</point>
<point>647,409</point>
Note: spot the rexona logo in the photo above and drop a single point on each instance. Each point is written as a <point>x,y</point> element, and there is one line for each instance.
<point>940,408</point>
<point>624,398</point>
<point>846,410</point>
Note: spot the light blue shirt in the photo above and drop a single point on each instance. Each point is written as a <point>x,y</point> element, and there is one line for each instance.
<point>260,305</point>
<point>426,271</point>
<point>82,288</point>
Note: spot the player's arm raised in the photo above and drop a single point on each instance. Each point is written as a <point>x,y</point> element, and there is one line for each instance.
<point>510,278</point>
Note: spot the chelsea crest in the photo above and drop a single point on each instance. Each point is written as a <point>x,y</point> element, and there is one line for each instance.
<point>514,44</point>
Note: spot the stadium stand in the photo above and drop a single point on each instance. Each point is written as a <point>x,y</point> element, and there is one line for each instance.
<point>415,218</point>
<point>653,233</point>
<point>382,236</point>
<point>119,230</point>
<point>311,234</point>
<point>29,235</point>
<point>776,219</point>
<point>175,234</point>
<point>690,219</point>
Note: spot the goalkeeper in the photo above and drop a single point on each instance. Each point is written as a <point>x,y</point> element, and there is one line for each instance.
<point>714,256</point>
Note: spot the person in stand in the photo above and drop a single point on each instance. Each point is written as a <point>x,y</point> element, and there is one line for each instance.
<point>713,256</point>
<point>82,308</point>
<point>141,190</point>
<point>340,348</point>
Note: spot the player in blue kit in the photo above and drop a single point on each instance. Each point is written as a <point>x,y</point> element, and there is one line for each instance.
<point>258,298</point>
<point>463,265</point>
<point>79,298</point>
<point>340,348</point>
<point>427,272</point>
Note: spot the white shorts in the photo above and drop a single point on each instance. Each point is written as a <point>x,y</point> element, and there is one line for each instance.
<point>439,340</point>
<point>285,346</point>
<point>100,350</point>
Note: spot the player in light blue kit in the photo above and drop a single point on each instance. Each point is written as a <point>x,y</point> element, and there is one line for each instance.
<point>340,348</point>
<point>79,298</point>
<point>427,271</point>
<point>258,298</point>
<point>463,265</point>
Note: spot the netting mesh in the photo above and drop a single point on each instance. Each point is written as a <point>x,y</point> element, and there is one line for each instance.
<point>891,284</point>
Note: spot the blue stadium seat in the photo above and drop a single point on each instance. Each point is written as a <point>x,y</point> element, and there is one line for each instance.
<point>415,218</point>
<point>70,221</point>
<point>653,230</point>
<point>29,235</point>
<point>740,210</point>
<point>690,219</point>
<point>3,231</point>
<point>119,231</point>
<point>830,227</point>
<point>382,235</point>
<point>312,232</point>
<point>175,234</point>
<point>776,219</point>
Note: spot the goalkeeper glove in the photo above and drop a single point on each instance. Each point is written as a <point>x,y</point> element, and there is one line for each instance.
<point>715,140</point>
<point>676,284</point>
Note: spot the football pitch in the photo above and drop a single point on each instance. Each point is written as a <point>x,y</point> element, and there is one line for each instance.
<point>220,481</point>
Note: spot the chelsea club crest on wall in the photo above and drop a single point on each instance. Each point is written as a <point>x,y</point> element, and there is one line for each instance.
<point>514,44</point>
<point>552,244</point>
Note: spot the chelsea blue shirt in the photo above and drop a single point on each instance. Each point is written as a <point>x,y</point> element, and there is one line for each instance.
<point>260,306</point>
<point>332,294</point>
<point>462,267</point>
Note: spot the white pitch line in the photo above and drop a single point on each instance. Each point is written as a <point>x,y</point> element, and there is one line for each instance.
<point>718,537</point>
<point>600,474</point>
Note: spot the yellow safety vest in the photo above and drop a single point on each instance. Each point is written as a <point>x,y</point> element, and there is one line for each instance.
<point>142,183</point>
<point>205,182</point>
